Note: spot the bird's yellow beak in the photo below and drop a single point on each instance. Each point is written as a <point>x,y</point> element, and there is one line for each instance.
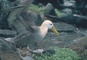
<point>54,30</point>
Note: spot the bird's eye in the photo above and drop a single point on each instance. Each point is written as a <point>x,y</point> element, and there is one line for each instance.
<point>50,24</point>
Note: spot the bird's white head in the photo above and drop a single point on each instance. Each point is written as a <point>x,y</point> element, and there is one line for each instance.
<point>49,25</point>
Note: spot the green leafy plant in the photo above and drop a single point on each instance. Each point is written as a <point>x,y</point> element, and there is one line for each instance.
<point>59,14</point>
<point>60,54</point>
<point>37,9</point>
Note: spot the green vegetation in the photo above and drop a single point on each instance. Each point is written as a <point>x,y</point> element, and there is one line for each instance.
<point>59,14</point>
<point>37,9</point>
<point>60,54</point>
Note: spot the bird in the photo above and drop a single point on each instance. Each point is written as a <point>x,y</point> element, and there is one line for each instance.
<point>38,34</point>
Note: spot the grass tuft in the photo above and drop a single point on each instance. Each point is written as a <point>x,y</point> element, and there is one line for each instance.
<point>60,54</point>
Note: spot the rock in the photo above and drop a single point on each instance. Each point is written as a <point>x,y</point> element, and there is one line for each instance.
<point>49,10</point>
<point>9,56</point>
<point>70,3</point>
<point>12,0</point>
<point>67,10</point>
<point>3,21</point>
<point>80,16</point>
<point>79,44</point>
<point>25,54</point>
<point>64,27</point>
<point>51,17</point>
<point>86,6</point>
<point>25,3</point>
<point>3,15</point>
<point>40,5</point>
<point>6,46</point>
<point>38,20</point>
<point>75,19</point>
<point>68,18</point>
<point>27,58</point>
<point>55,3</point>
<point>7,33</point>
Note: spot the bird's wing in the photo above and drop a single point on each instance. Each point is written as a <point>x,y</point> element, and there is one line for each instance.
<point>34,29</point>
<point>29,25</point>
<point>14,12</point>
<point>11,8</point>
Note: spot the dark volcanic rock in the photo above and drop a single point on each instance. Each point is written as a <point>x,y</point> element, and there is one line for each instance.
<point>12,0</point>
<point>55,3</point>
<point>6,46</point>
<point>67,10</point>
<point>9,56</point>
<point>64,27</point>
<point>3,15</point>
<point>79,44</point>
<point>69,3</point>
<point>49,10</point>
<point>68,18</point>
<point>7,33</point>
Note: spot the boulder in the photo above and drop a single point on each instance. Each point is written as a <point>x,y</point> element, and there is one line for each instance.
<point>68,18</point>
<point>9,56</point>
<point>7,33</point>
<point>5,46</point>
<point>64,27</point>
<point>3,15</point>
<point>79,44</point>
<point>55,3</point>
<point>49,10</point>
<point>70,3</point>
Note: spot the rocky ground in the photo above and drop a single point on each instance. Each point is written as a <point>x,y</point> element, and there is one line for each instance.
<point>71,26</point>
<point>67,36</point>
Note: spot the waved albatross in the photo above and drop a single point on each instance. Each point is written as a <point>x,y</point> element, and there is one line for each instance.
<point>38,34</point>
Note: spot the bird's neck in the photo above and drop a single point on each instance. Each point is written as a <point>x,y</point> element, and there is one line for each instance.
<point>43,30</point>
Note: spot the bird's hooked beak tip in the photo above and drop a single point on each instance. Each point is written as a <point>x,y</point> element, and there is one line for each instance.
<point>54,30</point>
